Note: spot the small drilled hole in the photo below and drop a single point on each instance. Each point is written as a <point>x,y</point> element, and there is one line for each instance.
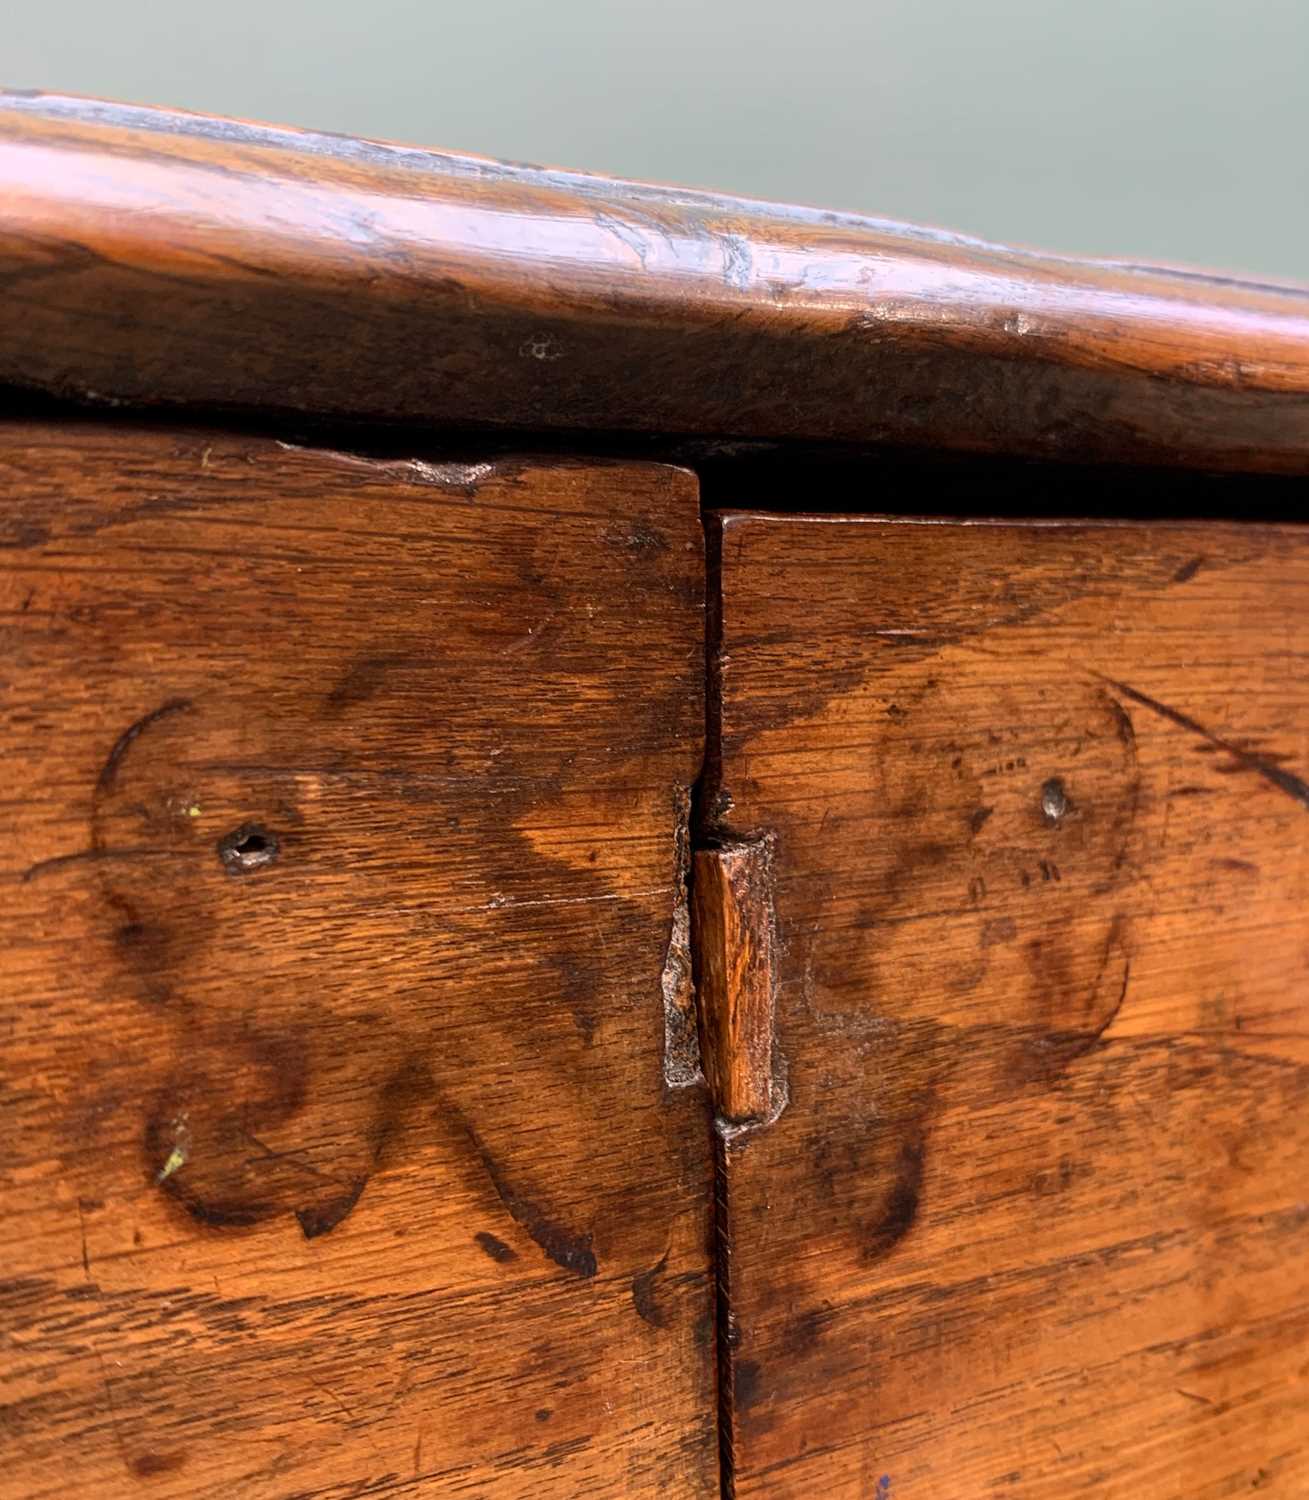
<point>1055,801</point>
<point>247,848</point>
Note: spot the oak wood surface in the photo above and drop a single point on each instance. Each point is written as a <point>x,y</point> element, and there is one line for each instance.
<point>1035,1221</point>
<point>149,256</point>
<point>342,829</point>
<point>732,932</point>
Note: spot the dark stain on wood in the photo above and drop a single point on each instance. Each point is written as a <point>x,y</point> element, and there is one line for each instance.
<point>362,679</point>
<point>900,1209</point>
<point>496,1248</point>
<point>1292,786</point>
<point>568,1249</point>
<point>998,930</point>
<point>747,1381</point>
<point>325,1216</point>
<point>151,1465</point>
<point>645,1294</point>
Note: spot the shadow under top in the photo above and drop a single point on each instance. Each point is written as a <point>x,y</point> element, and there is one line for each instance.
<point>159,258</point>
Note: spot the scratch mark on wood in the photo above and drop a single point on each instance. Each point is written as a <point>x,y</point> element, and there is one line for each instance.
<point>123,743</point>
<point>1293,786</point>
<point>61,861</point>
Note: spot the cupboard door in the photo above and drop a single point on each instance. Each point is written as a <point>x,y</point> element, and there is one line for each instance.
<point>345,806</point>
<point>1032,1220</point>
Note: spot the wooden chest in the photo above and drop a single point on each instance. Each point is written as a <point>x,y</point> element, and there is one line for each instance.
<point>655,845</point>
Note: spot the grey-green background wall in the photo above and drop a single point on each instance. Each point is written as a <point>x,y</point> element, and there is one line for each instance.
<point>1172,129</point>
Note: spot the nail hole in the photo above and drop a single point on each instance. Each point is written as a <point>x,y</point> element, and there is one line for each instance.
<point>1054,800</point>
<point>247,848</point>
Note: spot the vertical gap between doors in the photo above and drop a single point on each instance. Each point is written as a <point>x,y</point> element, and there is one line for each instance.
<point>704,817</point>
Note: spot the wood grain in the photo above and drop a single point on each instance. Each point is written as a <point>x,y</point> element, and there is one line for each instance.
<point>343,809</point>
<point>154,257</point>
<point>1034,1223</point>
<point>732,928</point>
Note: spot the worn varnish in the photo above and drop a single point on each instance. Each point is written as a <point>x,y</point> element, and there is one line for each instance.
<point>342,899</point>
<point>1035,1222</point>
<point>163,258</point>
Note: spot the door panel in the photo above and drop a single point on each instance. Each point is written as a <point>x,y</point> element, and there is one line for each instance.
<point>345,810</point>
<point>1033,1220</point>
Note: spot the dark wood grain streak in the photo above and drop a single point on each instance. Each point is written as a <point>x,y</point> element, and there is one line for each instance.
<point>155,257</point>
<point>341,867</point>
<point>1035,1222</point>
